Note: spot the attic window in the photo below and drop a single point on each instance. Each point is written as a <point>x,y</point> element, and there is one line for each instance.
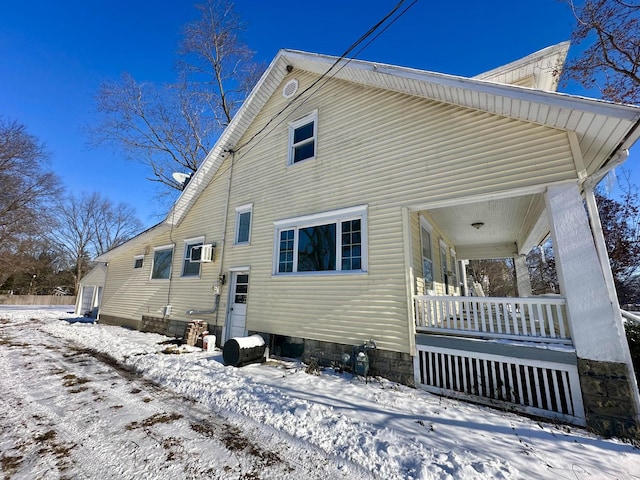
<point>302,138</point>
<point>290,88</point>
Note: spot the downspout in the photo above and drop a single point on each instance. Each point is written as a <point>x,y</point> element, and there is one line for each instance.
<point>601,248</point>
<point>220,280</point>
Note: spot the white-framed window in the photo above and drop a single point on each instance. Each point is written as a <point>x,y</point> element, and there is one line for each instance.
<point>303,135</point>
<point>138,261</point>
<point>427,253</point>
<point>189,268</point>
<point>162,259</point>
<point>454,271</point>
<point>330,242</point>
<point>243,224</point>
<point>445,266</point>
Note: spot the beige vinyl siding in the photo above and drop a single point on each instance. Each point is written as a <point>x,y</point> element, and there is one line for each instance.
<point>416,241</point>
<point>383,150</point>
<point>376,148</point>
<point>131,293</point>
<point>128,292</point>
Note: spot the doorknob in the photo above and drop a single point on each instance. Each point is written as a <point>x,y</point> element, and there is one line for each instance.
<point>231,309</point>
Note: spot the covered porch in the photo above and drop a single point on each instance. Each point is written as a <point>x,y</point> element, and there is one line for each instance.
<point>528,353</point>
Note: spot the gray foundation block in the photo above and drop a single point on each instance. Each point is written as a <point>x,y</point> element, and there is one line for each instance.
<point>608,401</point>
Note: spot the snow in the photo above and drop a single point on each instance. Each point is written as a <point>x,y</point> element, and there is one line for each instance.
<point>325,425</point>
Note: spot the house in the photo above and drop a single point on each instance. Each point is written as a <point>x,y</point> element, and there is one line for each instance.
<point>338,205</point>
<point>90,291</point>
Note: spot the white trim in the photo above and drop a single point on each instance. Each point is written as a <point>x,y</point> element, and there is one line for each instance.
<point>135,259</point>
<point>311,117</point>
<point>186,243</point>
<point>245,268</point>
<point>425,223</point>
<point>194,239</point>
<point>171,247</point>
<point>483,197</point>
<point>333,217</point>
<point>248,208</point>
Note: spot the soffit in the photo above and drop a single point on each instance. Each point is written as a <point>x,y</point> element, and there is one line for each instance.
<point>503,221</point>
<point>600,126</point>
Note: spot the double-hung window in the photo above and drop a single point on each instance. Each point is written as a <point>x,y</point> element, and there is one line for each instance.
<point>243,224</point>
<point>329,242</point>
<point>191,267</point>
<point>302,138</point>
<point>427,256</point>
<point>162,258</point>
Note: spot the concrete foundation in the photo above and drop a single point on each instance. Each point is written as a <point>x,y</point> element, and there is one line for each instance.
<point>608,400</point>
<point>163,326</point>
<point>395,366</point>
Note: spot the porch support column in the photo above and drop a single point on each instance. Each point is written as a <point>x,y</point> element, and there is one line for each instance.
<point>522,275</point>
<point>606,376</point>
<point>463,276</point>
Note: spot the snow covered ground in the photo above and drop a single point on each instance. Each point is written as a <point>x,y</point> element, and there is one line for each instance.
<point>80,400</point>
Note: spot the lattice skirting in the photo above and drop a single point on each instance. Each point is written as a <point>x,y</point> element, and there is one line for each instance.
<point>537,387</point>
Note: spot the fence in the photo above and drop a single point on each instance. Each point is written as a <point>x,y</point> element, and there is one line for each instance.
<point>37,300</point>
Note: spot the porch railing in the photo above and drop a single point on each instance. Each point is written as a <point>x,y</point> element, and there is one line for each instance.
<point>541,319</point>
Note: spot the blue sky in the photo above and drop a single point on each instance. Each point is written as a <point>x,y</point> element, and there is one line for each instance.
<point>53,56</point>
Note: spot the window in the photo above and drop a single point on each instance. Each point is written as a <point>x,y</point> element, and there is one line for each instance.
<point>427,258</point>
<point>191,268</point>
<point>138,261</point>
<point>302,138</point>
<point>330,242</point>
<point>243,224</point>
<point>454,271</point>
<point>162,257</point>
<point>445,271</point>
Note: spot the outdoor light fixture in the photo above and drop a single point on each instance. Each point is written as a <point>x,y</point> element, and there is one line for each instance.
<point>477,225</point>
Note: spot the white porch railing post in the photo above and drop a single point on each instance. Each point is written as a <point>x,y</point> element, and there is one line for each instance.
<point>593,316</point>
<point>536,318</point>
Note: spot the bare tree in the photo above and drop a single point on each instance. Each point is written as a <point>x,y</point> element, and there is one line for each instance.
<point>620,220</point>
<point>113,225</point>
<point>27,189</point>
<point>89,225</point>
<point>611,62</point>
<point>497,276</point>
<point>172,127</point>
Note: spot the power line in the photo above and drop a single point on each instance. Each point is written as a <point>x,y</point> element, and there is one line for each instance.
<point>338,60</point>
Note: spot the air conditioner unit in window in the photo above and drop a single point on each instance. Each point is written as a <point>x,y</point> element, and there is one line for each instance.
<point>202,253</point>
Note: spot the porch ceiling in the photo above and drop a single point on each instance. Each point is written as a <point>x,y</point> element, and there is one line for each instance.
<point>510,225</point>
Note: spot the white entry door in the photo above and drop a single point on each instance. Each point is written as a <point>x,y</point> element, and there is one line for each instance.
<point>238,305</point>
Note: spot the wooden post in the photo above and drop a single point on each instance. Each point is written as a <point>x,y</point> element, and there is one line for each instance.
<point>522,276</point>
<point>603,363</point>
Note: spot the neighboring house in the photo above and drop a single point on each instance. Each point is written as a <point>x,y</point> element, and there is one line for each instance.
<point>339,203</point>
<point>90,292</point>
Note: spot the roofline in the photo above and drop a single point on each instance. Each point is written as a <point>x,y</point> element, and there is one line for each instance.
<point>592,105</point>
<point>139,239</point>
<point>285,57</point>
<point>558,49</point>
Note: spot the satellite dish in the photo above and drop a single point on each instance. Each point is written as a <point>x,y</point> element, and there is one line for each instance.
<point>181,177</point>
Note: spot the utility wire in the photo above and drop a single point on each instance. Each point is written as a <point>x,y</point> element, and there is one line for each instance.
<point>325,77</point>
